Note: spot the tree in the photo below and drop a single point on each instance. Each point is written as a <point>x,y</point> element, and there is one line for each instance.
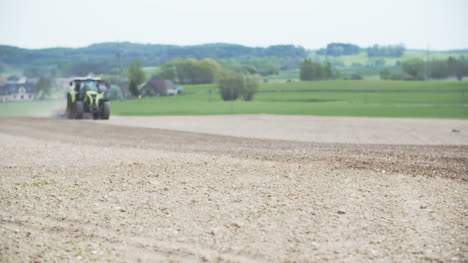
<point>386,51</point>
<point>249,69</point>
<point>385,74</point>
<point>214,68</point>
<point>190,71</point>
<point>341,49</point>
<point>204,71</point>
<point>327,71</point>
<point>316,71</point>
<point>439,69</point>
<point>136,76</point>
<point>307,70</point>
<point>43,88</point>
<point>462,69</point>
<point>34,72</point>
<point>456,67</point>
<point>414,68</point>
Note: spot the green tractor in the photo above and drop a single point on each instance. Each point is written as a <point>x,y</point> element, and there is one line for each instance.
<point>86,96</point>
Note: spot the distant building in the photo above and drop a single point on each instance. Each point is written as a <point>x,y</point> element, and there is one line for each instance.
<point>16,80</point>
<point>157,87</point>
<point>16,89</point>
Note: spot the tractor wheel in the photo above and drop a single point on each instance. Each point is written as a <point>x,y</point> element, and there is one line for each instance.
<point>70,108</point>
<point>79,108</point>
<point>105,112</point>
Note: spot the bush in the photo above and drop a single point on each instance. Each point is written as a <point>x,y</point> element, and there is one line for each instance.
<point>251,84</point>
<point>232,85</point>
<point>356,77</point>
<point>136,76</point>
<point>396,76</point>
<point>352,77</point>
<point>415,68</point>
<point>385,74</point>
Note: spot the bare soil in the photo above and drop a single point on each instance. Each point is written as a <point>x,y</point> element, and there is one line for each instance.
<point>90,191</point>
<point>358,130</point>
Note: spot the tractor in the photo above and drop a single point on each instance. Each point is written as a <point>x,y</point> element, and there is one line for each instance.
<point>86,97</point>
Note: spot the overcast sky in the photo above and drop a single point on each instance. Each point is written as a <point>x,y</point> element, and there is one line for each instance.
<point>439,24</point>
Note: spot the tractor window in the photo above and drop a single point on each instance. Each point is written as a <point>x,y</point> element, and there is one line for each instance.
<point>90,85</point>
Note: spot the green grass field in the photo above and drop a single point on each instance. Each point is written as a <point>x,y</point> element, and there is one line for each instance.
<point>371,98</point>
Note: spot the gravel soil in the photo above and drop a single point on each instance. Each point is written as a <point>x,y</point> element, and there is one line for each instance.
<point>90,191</point>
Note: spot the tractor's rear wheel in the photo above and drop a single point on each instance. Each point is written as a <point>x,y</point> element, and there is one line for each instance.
<point>79,108</point>
<point>69,111</point>
<point>105,112</point>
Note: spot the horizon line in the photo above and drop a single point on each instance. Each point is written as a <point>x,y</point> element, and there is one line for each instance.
<point>208,43</point>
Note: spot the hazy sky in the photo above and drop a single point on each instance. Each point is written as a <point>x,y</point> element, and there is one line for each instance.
<point>439,24</point>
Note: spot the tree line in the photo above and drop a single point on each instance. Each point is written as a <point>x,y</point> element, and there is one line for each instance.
<point>111,58</point>
<point>231,84</point>
<point>315,71</point>
<point>148,54</point>
<point>418,69</point>
<point>345,49</point>
<point>385,51</point>
<point>339,49</point>
<point>190,71</point>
